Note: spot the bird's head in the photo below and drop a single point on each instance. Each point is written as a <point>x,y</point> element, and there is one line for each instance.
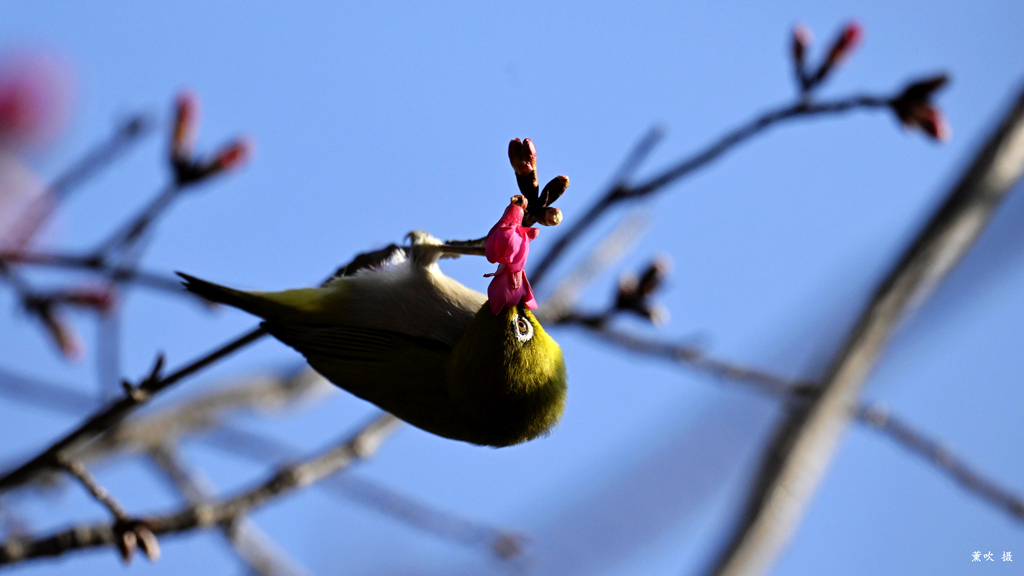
<point>509,373</point>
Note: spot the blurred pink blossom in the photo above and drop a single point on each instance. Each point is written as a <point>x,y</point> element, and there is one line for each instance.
<point>35,102</point>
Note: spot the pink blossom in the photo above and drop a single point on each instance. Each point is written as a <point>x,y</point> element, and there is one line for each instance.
<point>35,100</point>
<point>508,244</point>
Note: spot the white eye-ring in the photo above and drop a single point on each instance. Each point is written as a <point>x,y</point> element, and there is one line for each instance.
<point>522,328</point>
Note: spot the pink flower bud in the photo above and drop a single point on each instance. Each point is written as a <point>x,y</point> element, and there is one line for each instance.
<point>102,299</point>
<point>234,155</point>
<point>845,43</point>
<point>522,155</point>
<point>187,112</point>
<point>931,121</point>
<point>802,39</point>
<point>63,335</point>
<point>914,109</point>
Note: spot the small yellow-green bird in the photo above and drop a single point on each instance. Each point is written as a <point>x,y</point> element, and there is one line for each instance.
<point>421,346</point>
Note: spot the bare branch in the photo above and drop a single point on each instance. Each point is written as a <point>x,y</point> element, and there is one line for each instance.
<point>878,418</point>
<point>622,191</point>
<point>802,448</point>
<point>604,255</point>
<point>44,394</point>
<point>363,444</point>
<point>115,273</point>
<point>254,547</point>
<point>101,494</point>
<point>383,500</point>
<point>116,411</point>
<point>128,132</point>
<point>874,417</point>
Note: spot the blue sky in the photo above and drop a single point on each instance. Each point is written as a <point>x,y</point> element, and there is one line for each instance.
<point>373,119</point>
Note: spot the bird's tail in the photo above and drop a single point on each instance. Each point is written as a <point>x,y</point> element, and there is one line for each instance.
<point>241,299</point>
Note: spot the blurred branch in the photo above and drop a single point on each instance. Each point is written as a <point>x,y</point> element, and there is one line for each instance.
<point>798,455</point>
<point>363,444</point>
<point>98,492</point>
<point>114,273</point>
<point>129,132</point>
<point>621,191</point>
<point>874,417</point>
<point>132,231</point>
<point>44,394</point>
<point>443,524</point>
<point>116,411</point>
<point>934,453</point>
<point>254,547</point>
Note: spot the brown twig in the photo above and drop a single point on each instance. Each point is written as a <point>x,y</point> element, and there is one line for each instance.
<point>803,445</point>
<point>621,191</point>
<point>361,445</point>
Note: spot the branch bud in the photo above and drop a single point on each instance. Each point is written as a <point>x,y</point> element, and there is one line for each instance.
<point>127,543</point>
<point>915,110</point>
<point>654,275</point>
<point>845,43</point>
<point>553,190</point>
<point>551,217</point>
<point>148,542</point>
<point>186,126</point>
<point>801,41</point>
<point>64,336</point>
<point>101,299</point>
<point>233,156</point>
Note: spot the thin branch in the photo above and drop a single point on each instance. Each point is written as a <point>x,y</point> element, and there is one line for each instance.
<point>604,255</point>
<point>129,132</point>
<point>44,394</point>
<point>383,500</point>
<point>622,191</point>
<point>798,455</point>
<point>101,494</point>
<point>874,417</point>
<point>878,418</point>
<point>693,358</point>
<point>116,411</point>
<point>254,547</point>
<point>133,229</point>
<point>115,273</point>
<point>363,444</point>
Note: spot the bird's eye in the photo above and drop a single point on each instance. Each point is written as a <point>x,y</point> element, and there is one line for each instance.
<point>523,329</point>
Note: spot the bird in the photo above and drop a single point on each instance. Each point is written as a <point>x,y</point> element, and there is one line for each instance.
<point>422,346</point>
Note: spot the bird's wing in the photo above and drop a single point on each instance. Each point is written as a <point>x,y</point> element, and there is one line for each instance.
<point>401,374</point>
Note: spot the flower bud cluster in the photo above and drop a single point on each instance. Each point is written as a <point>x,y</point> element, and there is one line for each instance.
<point>843,45</point>
<point>915,110</point>
<point>189,169</point>
<point>522,154</point>
<point>635,293</point>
